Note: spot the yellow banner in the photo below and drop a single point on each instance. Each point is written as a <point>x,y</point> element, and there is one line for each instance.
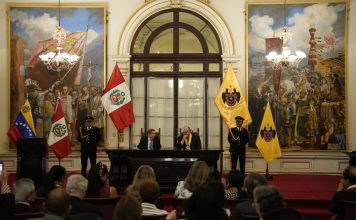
<point>231,102</point>
<point>267,138</point>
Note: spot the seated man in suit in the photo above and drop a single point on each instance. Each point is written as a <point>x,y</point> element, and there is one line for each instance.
<point>188,140</point>
<point>150,141</point>
<point>25,193</point>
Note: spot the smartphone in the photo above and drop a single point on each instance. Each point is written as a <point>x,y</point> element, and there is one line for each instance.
<point>1,166</point>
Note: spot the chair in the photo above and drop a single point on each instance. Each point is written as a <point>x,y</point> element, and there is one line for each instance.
<point>23,216</point>
<point>154,217</point>
<point>144,133</point>
<point>349,208</point>
<point>106,205</point>
<point>231,203</point>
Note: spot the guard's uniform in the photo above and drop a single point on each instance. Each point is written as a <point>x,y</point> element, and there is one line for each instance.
<point>89,138</point>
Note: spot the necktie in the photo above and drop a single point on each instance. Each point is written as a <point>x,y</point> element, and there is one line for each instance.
<point>150,145</point>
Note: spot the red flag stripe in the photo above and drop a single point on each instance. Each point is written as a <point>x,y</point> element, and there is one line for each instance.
<point>123,116</point>
<point>59,148</point>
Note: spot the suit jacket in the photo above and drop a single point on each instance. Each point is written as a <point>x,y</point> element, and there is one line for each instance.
<point>79,206</point>
<point>143,145</point>
<point>89,138</point>
<point>235,144</point>
<point>195,144</point>
<point>336,205</point>
<point>245,208</point>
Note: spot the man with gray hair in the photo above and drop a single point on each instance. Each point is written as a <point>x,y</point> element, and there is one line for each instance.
<point>250,183</point>
<point>25,193</point>
<point>267,199</point>
<point>77,187</point>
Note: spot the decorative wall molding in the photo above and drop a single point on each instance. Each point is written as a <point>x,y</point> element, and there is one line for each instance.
<point>199,7</point>
<point>290,162</point>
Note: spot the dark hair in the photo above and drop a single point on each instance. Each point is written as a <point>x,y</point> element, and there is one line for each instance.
<point>149,191</point>
<point>252,181</point>
<point>95,182</point>
<point>207,202</point>
<point>352,176</point>
<point>53,179</point>
<point>236,179</point>
<point>128,208</point>
<point>58,202</point>
<point>269,199</point>
<point>346,173</point>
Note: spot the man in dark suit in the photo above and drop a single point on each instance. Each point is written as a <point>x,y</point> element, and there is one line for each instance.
<point>150,141</point>
<point>336,206</point>
<point>25,193</point>
<point>250,183</point>
<point>238,137</point>
<point>89,137</point>
<point>77,187</point>
<point>188,140</point>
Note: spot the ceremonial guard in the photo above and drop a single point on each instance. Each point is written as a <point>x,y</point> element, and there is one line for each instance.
<point>89,137</point>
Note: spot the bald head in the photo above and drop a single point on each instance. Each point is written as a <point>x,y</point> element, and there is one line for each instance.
<point>58,202</point>
<point>186,130</point>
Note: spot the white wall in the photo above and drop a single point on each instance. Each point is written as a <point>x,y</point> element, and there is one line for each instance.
<point>120,11</point>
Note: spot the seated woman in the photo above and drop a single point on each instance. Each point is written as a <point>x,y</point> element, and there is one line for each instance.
<point>207,202</point>
<point>128,207</point>
<point>197,175</point>
<point>98,182</point>
<point>52,180</point>
<point>233,188</point>
<point>143,173</point>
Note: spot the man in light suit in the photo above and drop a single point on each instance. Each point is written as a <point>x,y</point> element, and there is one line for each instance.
<point>150,141</point>
<point>188,140</point>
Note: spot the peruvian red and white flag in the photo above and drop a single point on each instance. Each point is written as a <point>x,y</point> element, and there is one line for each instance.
<point>116,99</point>
<point>58,138</point>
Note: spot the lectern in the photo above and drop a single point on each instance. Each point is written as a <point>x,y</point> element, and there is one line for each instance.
<point>31,159</point>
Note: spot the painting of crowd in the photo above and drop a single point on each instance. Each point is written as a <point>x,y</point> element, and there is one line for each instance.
<point>77,103</point>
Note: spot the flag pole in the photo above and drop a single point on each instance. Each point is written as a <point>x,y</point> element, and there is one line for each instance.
<point>268,177</point>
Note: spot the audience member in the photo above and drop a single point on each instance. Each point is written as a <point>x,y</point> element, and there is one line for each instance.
<point>344,181</point>
<point>128,208</point>
<point>197,175</point>
<point>250,183</point>
<point>57,205</point>
<point>207,202</point>
<point>346,195</point>
<point>4,178</point>
<point>98,182</point>
<point>143,173</point>
<point>267,199</point>
<point>77,187</point>
<point>233,188</point>
<point>52,180</point>
<point>25,193</point>
<point>150,193</point>
<point>7,199</point>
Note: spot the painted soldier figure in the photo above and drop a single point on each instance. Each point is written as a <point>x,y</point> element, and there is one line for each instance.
<point>89,137</point>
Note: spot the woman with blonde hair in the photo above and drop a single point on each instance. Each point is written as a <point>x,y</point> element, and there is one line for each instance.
<point>143,173</point>
<point>197,175</point>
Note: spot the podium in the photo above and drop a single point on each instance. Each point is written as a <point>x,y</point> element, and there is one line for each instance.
<point>31,159</point>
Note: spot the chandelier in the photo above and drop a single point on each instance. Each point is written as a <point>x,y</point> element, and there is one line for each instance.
<point>285,58</point>
<point>59,59</point>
